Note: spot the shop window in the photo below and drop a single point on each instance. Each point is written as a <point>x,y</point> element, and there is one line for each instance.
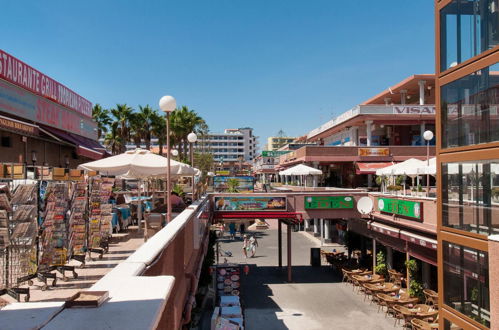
<point>470,196</point>
<point>466,281</point>
<point>448,325</point>
<point>6,141</point>
<point>469,109</point>
<point>467,28</point>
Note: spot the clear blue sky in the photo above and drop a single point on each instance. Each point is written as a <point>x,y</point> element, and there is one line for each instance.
<point>266,64</point>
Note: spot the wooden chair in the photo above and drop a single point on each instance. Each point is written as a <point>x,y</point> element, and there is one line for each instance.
<point>403,313</point>
<point>431,297</point>
<point>384,300</point>
<point>418,324</point>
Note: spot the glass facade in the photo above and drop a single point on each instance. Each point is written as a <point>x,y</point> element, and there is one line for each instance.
<point>467,28</point>
<point>470,109</point>
<point>470,196</point>
<point>466,281</point>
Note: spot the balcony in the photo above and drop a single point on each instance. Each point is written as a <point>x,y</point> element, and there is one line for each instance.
<point>331,154</point>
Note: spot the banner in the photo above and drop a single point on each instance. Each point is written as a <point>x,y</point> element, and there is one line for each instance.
<point>240,203</point>
<point>245,183</point>
<point>374,152</point>
<point>328,202</point>
<point>401,207</point>
<point>274,153</point>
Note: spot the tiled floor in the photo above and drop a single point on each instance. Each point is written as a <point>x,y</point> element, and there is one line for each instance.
<point>87,276</point>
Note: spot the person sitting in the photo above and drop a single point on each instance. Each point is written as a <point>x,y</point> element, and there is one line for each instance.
<point>177,204</point>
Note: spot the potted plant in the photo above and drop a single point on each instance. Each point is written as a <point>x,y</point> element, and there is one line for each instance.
<point>381,268</point>
<point>415,287</point>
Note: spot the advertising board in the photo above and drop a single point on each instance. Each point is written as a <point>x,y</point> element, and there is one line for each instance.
<point>401,207</point>
<point>246,183</point>
<point>328,202</point>
<point>240,203</point>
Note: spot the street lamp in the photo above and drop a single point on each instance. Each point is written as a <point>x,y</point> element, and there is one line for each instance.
<point>174,152</point>
<point>428,136</point>
<point>168,104</point>
<point>192,138</point>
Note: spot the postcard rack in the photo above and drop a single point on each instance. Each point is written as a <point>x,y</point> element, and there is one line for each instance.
<point>100,214</point>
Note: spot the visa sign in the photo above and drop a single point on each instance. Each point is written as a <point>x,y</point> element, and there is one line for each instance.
<point>414,109</point>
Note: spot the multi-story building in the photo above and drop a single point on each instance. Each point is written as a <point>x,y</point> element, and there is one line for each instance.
<point>277,142</point>
<point>385,129</point>
<point>467,101</point>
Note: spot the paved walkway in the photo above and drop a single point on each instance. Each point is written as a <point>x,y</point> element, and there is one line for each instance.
<point>315,300</point>
<point>87,276</point>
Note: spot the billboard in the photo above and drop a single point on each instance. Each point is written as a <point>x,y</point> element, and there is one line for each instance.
<point>401,207</point>
<point>20,74</point>
<point>328,202</point>
<point>21,103</point>
<point>246,183</point>
<point>241,203</point>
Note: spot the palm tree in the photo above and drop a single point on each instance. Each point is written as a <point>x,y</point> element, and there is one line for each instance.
<point>182,122</point>
<point>112,139</point>
<point>101,117</point>
<point>146,115</point>
<point>136,130</point>
<point>122,114</point>
<point>158,128</point>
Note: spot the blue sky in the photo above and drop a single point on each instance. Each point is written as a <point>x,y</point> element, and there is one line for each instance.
<point>267,64</point>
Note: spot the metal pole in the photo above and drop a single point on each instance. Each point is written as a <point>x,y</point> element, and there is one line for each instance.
<point>279,240</point>
<point>290,278</point>
<point>168,183</point>
<point>427,166</point>
<point>322,232</point>
<point>374,256</point>
<point>192,164</point>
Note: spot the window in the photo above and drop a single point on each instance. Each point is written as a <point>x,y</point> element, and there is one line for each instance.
<point>470,109</point>
<point>470,196</point>
<point>6,141</point>
<point>466,281</point>
<point>467,28</point>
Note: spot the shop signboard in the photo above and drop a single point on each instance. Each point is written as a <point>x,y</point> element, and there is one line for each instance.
<point>328,202</point>
<point>250,203</point>
<point>414,109</point>
<point>24,104</point>
<point>18,126</point>
<point>20,74</point>
<point>374,152</point>
<point>401,207</point>
<point>274,153</point>
<point>246,183</point>
<point>222,172</point>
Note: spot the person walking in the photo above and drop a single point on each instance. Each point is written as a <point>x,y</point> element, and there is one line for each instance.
<point>246,246</point>
<point>232,231</point>
<point>253,243</point>
<point>241,229</point>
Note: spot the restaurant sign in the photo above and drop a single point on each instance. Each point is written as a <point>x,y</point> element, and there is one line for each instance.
<point>328,202</point>
<point>18,126</point>
<point>240,203</point>
<point>19,73</point>
<point>24,104</point>
<point>274,153</point>
<point>401,207</point>
<point>374,152</point>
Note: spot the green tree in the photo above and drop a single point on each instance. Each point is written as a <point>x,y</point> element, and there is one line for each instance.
<point>113,139</point>
<point>101,117</point>
<point>122,114</point>
<point>182,122</point>
<point>158,128</point>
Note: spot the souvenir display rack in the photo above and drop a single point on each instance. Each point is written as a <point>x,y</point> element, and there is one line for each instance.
<point>100,214</point>
<point>78,243</point>
<point>54,238</point>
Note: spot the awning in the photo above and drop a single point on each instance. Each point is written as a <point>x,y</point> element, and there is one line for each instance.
<point>418,240</point>
<point>370,168</point>
<point>84,146</point>
<point>384,229</point>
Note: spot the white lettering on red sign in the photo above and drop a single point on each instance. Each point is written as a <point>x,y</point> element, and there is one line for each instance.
<point>23,75</point>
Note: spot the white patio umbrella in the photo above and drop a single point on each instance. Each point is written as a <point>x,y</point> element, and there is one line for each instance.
<point>302,171</point>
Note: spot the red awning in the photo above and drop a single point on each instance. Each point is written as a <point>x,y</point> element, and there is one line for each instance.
<point>370,168</point>
<point>84,146</point>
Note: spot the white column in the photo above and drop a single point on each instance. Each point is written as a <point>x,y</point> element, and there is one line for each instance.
<point>389,257</point>
<point>307,224</point>
<point>327,231</point>
<point>316,227</point>
<point>426,274</point>
<point>322,232</point>
<point>369,132</point>
<point>403,96</point>
<point>421,84</point>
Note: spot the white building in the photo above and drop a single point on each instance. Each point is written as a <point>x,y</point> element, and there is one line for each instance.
<point>232,145</point>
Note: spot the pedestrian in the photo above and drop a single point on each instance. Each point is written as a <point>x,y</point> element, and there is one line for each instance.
<point>241,229</point>
<point>253,243</point>
<point>232,231</point>
<point>246,246</point>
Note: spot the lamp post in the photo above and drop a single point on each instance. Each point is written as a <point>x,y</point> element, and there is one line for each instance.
<point>168,104</point>
<point>174,152</point>
<point>428,136</point>
<point>192,138</point>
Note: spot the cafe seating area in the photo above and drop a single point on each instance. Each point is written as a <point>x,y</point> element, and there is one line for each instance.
<point>393,299</point>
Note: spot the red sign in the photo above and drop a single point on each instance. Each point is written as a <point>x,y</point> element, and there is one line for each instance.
<point>23,75</point>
